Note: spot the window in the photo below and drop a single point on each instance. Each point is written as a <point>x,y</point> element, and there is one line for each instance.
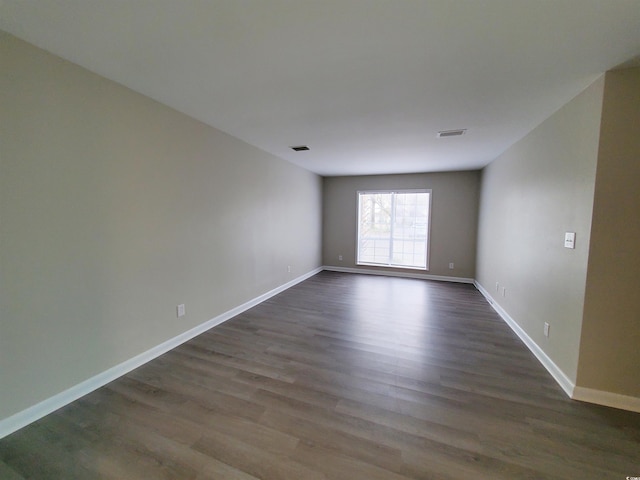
<point>393,228</point>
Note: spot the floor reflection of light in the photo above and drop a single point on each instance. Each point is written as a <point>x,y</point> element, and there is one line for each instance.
<point>390,321</point>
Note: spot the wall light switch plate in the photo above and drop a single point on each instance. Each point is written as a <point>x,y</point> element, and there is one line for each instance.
<point>570,240</point>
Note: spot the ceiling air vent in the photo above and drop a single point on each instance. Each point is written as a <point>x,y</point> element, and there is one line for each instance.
<point>300,148</point>
<point>451,133</point>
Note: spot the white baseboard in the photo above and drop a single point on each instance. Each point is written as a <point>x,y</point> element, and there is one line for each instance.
<point>607,399</point>
<point>575,392</point>
<point>565,382</point>
<point>392,273</point>
<point>35,412</point>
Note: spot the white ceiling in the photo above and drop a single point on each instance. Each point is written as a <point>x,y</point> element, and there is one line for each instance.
<point>367,84</point>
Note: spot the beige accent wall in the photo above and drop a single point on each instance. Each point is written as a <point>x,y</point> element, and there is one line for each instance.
<point>113,210</point>
<point>531,195</point>
<point>610,344</point>
<point>454,213</point>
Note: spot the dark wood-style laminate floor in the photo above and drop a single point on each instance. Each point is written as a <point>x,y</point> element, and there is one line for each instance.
<point>341,377</point>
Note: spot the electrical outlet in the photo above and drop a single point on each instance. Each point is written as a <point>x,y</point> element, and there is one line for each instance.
<point>504,291</point>
<point>181,310</point>
<point>546,329</point>
<point>451,266</point>
<point>289,268</point>
<point>340,257</point>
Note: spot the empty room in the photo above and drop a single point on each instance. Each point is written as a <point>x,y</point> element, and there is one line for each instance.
<point>319,239</point>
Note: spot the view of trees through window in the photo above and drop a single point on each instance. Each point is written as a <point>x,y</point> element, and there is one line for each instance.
<point>393,228</point>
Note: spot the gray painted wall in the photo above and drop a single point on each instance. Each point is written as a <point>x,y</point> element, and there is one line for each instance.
<point>531,195</point>
<point>454,216</point>
<point>610,342</point>
<point>114,209</point>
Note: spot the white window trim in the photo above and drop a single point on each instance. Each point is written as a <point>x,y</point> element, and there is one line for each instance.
<point>395,190</point>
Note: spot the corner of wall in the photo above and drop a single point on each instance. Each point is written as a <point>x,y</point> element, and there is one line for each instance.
<point>609,353</point>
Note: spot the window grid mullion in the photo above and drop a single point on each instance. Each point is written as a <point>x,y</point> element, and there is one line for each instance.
<point>392,229</point>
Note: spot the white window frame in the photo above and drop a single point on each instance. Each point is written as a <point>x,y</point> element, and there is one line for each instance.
<point>392,191</point>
